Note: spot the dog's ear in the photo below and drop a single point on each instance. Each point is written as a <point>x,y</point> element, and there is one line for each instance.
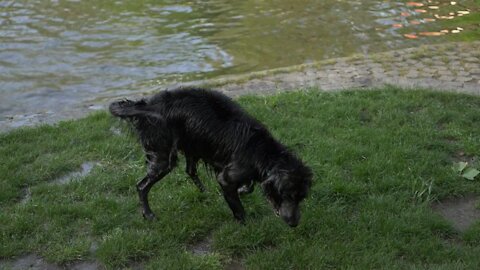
<point>268,186</point>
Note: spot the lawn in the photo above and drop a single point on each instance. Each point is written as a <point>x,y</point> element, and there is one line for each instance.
<point>380,159</point>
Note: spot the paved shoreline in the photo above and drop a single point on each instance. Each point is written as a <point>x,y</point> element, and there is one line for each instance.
<point>451,67</point>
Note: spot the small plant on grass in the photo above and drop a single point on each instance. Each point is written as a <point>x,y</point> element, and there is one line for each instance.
<point>467,172</point>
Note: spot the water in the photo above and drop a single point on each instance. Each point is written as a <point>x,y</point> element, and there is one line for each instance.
<point>55,54</point>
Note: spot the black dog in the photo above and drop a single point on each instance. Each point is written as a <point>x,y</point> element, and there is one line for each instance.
<point>207,125</point>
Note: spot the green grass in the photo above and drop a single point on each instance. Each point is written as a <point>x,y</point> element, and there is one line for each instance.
<point>379,158</point>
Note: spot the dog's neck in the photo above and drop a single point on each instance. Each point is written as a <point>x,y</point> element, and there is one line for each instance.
<point>270,157</point>
<point>267,175</point>
<point>274,165</point>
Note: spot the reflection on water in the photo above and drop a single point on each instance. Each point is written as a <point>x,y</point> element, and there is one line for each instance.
<point>419,13</point>
<point>70,49</point>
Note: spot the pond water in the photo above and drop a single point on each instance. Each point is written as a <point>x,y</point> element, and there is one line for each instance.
<point>55,53</point>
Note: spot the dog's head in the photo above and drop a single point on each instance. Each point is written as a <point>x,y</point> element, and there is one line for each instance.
<point>286,189</point>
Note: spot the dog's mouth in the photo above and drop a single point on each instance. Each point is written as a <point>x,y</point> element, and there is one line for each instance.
<point>276,208</point>
<point>289,213</point>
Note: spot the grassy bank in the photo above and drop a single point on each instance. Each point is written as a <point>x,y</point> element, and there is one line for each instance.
<point>380,158</point>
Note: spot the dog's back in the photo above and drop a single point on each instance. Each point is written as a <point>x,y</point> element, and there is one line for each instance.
<point>183,103</point>
<point>205,123</point>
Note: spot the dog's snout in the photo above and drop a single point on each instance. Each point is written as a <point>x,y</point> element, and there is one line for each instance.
<point>292,221</point>
<point>290,213</point>
<point>293,224</point>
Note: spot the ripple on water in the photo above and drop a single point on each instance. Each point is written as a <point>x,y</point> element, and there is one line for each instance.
<point>94,45</point>
<point>175,8</point>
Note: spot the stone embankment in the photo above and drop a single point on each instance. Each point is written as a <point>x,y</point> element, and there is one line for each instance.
<point>444,67</point>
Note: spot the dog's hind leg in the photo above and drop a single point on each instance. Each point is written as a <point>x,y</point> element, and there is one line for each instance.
<point>158,167</point>
<point>191,169</point>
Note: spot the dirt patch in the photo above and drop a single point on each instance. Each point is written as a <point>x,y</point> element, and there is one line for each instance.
<point>461,156</point>
<point>27,196</point>
<point>116,131</point>
<point>461,212</point>
<point>86,168</point>
<point>34,262</point>
<point>235,264</point>
<point>93,247</point>
<point>30,261</point>
<point>134,265</point>
<point>202,247</point>
<point>450,139</point>
<point>85,266</point>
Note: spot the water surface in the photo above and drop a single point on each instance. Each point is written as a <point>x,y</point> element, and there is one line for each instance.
<point>55,54</point>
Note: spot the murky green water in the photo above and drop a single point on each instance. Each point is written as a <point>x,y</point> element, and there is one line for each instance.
<point>59,50</point>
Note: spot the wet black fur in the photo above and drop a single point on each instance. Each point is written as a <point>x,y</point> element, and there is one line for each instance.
<point>206,125</point>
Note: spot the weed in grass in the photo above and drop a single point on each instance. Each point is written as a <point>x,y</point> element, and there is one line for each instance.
<point>422,191</point>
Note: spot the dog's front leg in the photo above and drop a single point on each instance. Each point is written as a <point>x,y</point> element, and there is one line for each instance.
<point>231,196</point>
<point>246,189</point>
<point>191,169</point>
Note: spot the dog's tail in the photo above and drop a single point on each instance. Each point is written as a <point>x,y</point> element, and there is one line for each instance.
<point>130,109</point>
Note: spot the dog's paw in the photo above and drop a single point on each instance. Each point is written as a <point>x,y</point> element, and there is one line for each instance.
<point>240,219</point>
<point>149,216</point>
<point>245,189</point>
